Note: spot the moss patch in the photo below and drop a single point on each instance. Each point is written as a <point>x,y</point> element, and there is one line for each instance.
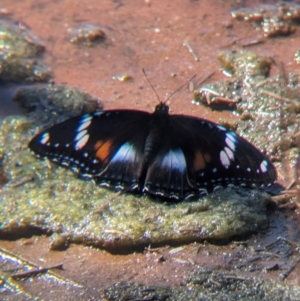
<point>55,201</point>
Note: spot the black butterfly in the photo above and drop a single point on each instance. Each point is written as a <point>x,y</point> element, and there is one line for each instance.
<point>173,156</point>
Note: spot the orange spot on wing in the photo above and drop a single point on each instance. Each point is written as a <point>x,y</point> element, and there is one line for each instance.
<point>103,149</point>
<point>199,161</point>
<point>207,157</point>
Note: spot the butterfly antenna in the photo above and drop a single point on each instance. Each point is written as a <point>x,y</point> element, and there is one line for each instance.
<point>150,84</point>
<point>180,87</point>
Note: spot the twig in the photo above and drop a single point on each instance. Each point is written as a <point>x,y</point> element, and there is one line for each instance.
<point>187,230</point>
<point>205,78</point>
<point>152,250</point>
<point>20,181</point>
<point>113,231</point>
<point>283,73</point>
<point>248,88</point>
<point>288,187</point>
<point>35,272</point>
<point>278,97</point>
<point>234,277</point>
<point>191,50</point>
<point>288,271</point>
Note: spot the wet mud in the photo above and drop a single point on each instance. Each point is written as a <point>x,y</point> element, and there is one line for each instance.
<point>95,54</point>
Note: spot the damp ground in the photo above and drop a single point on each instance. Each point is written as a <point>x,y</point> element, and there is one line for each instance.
<point>172,41</point>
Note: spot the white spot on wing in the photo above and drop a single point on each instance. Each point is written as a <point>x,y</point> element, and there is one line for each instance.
<point>230,142</point>
<point>224,159</point>
<point>80,135</point>
<point>125,153</point>
<point>231,136</point>
<point>84,123</point>
<point>174,159</point>
<point>97,113</point>
<point>264,166</point>
<point>221,128</point>
<point>45,138</point>
<point>82,142</point>
<point>229,153</point>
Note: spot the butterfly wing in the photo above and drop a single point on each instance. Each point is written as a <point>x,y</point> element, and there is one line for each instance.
<point>167,175</point>
<point>199,155</point>
<point>105,146</point>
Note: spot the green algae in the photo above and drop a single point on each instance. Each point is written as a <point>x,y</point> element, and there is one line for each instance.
<point>52,103</point>
<point>52,200</point>
<point>274,114</point>
<point>87,34</point>
<point>268,107</point>
<point>49,199</point>
<point>244,63</point>
<point>20,55</point>
<point>55,201</point>
<point>278,19</point>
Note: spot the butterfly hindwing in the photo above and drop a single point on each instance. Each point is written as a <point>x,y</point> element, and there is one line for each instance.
<point>167,175</point>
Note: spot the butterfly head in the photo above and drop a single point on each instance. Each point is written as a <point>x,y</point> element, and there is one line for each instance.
<point>162,108</point>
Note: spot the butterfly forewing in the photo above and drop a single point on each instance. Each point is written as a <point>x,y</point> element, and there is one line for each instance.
<point>217,156</point>
<point>105,146</point>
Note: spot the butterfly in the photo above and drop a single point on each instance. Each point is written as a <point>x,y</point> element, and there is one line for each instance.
<point>171,156</point>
